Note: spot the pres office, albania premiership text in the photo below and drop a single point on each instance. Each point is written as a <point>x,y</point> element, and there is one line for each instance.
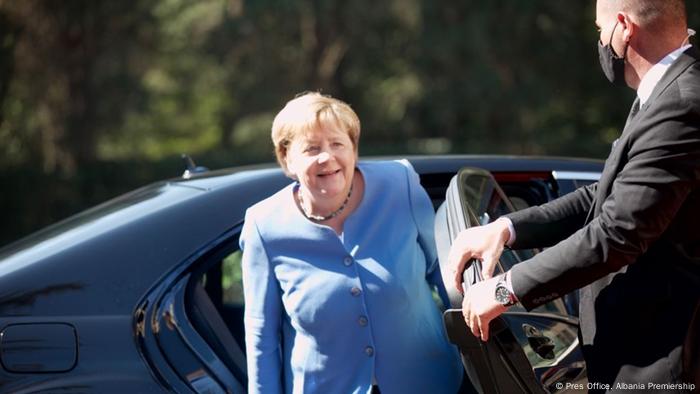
<point>626,386</point>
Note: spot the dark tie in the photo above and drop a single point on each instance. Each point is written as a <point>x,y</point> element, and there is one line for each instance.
<point>633,111</point>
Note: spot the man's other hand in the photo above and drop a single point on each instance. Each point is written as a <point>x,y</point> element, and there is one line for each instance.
<point>479,307</point>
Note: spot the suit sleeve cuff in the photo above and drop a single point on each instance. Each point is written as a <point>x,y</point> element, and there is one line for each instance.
<point>509,286</point>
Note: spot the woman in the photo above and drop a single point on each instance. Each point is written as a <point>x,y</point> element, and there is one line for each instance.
<point>338,268</point>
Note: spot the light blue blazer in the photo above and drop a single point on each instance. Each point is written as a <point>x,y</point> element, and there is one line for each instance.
<point>329,314</point>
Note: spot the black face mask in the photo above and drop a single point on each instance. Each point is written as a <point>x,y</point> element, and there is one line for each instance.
<point>613,66</point>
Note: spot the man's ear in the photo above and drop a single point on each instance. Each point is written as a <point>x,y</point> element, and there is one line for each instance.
<point>627,25</point>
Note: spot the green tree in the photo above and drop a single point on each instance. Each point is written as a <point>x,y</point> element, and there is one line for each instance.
<point>97,96</point>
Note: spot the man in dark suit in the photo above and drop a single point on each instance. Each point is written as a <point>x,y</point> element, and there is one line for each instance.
<point>631,241</point>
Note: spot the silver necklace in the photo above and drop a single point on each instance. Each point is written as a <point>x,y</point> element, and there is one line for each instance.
<point>318,218</point>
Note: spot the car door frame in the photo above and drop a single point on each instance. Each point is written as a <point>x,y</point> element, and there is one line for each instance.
<point>181,358</point>
<point>499,365</point>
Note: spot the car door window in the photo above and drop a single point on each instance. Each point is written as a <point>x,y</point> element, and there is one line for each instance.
<point>539,348</point>
<point>223,281</point>
<point>182,328</point>
<point>232,279</point>
<point>485,199</point>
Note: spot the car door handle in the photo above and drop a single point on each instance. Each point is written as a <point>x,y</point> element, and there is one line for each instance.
<point>540,344</point>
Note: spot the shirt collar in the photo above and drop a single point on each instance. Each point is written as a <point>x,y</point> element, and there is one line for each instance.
<point>653,76</point>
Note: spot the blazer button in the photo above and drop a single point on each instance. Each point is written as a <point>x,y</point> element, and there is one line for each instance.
<point>347,261</point>
<point>355,291</point>
<point>362,321</point>
<point>369,351</point>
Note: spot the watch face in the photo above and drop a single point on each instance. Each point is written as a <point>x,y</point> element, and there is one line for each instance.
<point>503,295</point>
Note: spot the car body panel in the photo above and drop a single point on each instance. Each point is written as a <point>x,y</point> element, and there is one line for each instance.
<point>101,271</point>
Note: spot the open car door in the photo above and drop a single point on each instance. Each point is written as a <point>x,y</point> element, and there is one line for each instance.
<point>528,352</point>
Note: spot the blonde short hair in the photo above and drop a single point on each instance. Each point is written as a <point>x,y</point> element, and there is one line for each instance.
<point>308,112</point>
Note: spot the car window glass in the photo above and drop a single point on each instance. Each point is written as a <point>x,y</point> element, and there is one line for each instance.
<point>543,340</point>
<point>487,202</point>
<point>221,277</point>
<point>232,279</point>
<point>551,348</point>
<point>519,203</point>
<point>226,289</point>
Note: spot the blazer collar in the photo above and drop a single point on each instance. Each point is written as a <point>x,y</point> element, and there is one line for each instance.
<point>686,59</point>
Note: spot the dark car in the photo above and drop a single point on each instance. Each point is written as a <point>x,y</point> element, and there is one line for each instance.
<point>142,294</point>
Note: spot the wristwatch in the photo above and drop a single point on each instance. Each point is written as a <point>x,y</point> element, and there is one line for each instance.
<point>503,295</point>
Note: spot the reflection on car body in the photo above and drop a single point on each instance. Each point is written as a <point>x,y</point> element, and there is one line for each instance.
<point>149,283</point>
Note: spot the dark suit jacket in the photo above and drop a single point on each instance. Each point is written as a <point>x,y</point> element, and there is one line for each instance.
<point>631,242</point>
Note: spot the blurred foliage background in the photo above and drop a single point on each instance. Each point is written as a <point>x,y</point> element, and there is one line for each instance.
<point>98,97</point>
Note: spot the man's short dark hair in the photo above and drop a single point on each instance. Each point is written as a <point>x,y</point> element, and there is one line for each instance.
<point>655,13</point>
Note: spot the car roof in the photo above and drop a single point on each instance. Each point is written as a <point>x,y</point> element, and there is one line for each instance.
<point>424,164</point>
<point>260,181</point>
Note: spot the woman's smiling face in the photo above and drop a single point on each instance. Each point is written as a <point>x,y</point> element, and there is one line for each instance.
<point>323,161</point>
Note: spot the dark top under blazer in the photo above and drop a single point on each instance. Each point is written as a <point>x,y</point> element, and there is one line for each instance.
<point>633,240</point>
